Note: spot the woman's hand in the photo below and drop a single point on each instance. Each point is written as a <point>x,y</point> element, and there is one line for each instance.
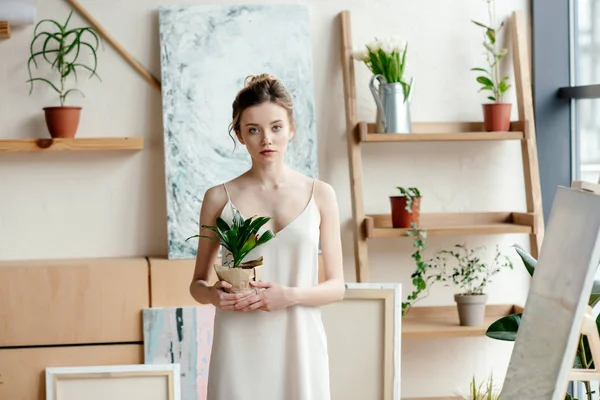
<point>272,297</point>
<point>225,301</point>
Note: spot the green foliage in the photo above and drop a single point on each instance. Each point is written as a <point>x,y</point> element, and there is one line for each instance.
<point>240,238</point>
<point>62,50</point>
<point>419,277</point>
<point>465,270</point>
<point>490,80</point>
<point>506,328</point>
<point>482,392</point>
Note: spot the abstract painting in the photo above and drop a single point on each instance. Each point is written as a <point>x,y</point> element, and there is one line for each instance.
<point>207,51</point>
<point>181,335</point>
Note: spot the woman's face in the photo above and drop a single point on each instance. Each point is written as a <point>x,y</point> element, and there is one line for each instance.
<point>265,130</point>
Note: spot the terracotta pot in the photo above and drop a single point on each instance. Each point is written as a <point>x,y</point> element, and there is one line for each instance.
<point>471,309</point>
<point>401,218</point>
<point>496,117</point>
<point>62,121</point>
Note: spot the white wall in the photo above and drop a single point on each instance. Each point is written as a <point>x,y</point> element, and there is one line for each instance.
<point>117,200</point>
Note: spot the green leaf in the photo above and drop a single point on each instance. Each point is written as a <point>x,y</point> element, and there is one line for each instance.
<point>505,328</point>
<point>485,81</point>
<point>595,294</point>
<point>491,34</point>
<point>529,262</point>
<point>481,25</point>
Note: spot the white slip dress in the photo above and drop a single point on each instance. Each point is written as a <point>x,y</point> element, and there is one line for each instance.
<point>277,355</point>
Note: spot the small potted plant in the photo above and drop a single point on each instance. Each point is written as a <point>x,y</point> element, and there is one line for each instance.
<point>481,392</point>
<point>239,239</point>
<point>62,48</point>
<point>496,115</point>
<point>406,208</point>
<point>465,270</point>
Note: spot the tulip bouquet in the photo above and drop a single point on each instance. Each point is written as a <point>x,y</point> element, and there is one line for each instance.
<point>386,57</point>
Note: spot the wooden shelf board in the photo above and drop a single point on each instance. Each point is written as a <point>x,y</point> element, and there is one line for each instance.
<point>454,224</point>
<point>441,132</point>
<point>434,398</point>
<point>72,144</point>
<point>442,321</point>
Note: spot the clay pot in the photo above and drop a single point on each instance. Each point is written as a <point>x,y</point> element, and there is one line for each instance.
<point>62,121</point>
<point>496,117</point>
<point>471,309</point>
<point>401,218</point>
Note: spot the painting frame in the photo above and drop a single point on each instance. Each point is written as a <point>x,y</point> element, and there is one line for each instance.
<point>169,372</point>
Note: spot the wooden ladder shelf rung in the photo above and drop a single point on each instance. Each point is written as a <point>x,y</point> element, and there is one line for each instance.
<point>358,132</point>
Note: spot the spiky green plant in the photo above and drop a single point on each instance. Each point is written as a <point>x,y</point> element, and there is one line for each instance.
<point>62,50</point>
<point>241,237</point>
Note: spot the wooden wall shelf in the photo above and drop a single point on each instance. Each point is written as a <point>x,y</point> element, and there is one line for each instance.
<point>74,144</point>
<point>442,321</point>
<point>453,224</point>
<point>441,132</point>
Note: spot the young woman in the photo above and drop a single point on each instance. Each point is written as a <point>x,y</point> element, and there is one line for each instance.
<point>272,345</point>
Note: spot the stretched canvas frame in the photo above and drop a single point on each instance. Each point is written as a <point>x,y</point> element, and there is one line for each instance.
<point>547,338</point>
<point>138,376</point>
<point>359,308</point>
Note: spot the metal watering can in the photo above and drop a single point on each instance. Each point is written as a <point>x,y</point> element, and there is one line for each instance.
<point>393,109</point>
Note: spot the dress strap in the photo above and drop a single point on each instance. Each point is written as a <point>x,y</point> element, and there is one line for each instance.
<point>313,188</point>
<point>227,192</point>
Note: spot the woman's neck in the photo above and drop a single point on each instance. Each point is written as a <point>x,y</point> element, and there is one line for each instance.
<point>270,175</point>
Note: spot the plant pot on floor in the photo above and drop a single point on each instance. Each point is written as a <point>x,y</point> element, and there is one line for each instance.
<point>401,217</point>
<point>496,117</point>
<point>62,121</point>
<point>240,277</point>
<point>471,308</point>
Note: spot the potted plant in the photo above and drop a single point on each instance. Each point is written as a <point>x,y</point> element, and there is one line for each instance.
<point>506,328</point>
<point>465,270</point>
<point>386,59</point>
<point>406,208</point>
<point>62,48</point>
<point>239,239</point>
<point>496,115</point>
<point>481,392</point>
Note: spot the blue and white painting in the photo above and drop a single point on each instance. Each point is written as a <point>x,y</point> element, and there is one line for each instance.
<point>181,335</point>
<point>207,51</point>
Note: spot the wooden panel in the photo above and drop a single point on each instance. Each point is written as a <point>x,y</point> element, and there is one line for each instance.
<point>4,30</point>
<point>442,322</point>
<point>72,301</point>
<point>440,224</point>
<point>170,281</point>
<point>442,132</point>
<point>22,370</point>
<point>75,144</point>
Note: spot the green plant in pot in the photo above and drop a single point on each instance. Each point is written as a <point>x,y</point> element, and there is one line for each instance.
<point>62,48</point>
<point>496,115</point>
<point>238,240</point>
<point>464,269</point>
<point>406,208</point>
<point>506,328</point>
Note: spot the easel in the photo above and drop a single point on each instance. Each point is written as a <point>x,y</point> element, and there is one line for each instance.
<point>588,327</point>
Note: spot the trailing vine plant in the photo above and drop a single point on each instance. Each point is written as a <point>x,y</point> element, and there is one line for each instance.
<point>62,49</point>
<point>420,279</point>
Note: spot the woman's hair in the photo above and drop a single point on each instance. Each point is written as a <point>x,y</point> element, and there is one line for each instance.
<point>260,89</point>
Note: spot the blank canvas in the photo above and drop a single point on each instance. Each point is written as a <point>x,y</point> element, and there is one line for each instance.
<point>114,382</point>
<point>207,51</point>
<point>547,339</point>
<point>363,339</point>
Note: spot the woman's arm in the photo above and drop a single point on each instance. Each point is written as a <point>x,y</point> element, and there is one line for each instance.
<point>208,250</point>
<point>332,289</point>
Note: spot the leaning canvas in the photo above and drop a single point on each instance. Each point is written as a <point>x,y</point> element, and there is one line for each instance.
<point>181,335</point>
<point>206,53</point>
<point>548,335</point>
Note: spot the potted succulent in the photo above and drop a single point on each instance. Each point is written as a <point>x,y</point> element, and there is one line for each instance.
<point>465,270</point>
<point>496,115</point>
<point>62,48</point>
<point>406,208</point>
<point>386,59</point>
<point>239,239</point>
